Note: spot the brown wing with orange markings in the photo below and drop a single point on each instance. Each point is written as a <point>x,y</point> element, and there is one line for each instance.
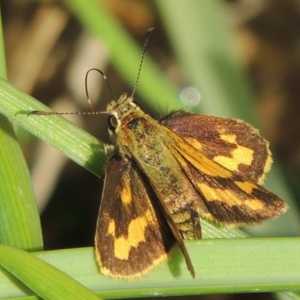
<point>129,227</point>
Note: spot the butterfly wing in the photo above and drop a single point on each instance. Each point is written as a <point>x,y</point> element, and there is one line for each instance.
<point>132,235</point>
<point>231,142</point>
<point>229,198</point>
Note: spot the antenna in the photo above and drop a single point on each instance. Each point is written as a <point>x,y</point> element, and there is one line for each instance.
<point>149,31</point>
<point>93,112</point>
<point>86,86</point>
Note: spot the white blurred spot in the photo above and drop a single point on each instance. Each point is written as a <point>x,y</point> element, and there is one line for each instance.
<point>190,96</point>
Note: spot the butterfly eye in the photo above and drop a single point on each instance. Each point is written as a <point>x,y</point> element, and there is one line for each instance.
<point>113,122</point>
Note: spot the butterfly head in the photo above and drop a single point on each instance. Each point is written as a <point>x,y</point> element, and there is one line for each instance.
<point>121,113</point>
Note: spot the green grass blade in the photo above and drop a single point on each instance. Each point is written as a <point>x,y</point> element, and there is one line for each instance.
<point>56,130</point>
<point>3,72</point>
<point>19,218</point>
<point>42,278</point>
<point>222,266</point>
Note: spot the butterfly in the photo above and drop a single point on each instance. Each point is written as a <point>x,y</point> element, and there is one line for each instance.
<point>162,176</point>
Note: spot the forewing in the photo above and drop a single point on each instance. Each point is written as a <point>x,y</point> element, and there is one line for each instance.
<point>230,199</point>
<point>231,142</point>
<point>132,235</point>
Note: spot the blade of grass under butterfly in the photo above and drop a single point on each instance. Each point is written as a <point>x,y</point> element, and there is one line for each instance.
<point>222,266</point>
